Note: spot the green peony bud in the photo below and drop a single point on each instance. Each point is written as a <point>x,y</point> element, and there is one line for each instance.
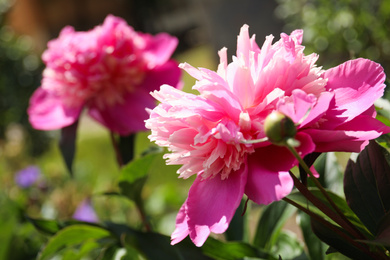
<point>279,128</point>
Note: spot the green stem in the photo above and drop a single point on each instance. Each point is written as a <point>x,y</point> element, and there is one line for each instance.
<point>321,206</point>
<point>143,216</point>
<point>120,159</point>
<point>116,149</point>
<point>363,248</point>
<point>126,147</point>
<point>341,219</point>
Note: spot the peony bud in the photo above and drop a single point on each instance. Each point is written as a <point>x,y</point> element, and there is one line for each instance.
<point>279,128</point>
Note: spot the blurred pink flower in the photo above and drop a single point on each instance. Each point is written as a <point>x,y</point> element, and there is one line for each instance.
<point>213,135</point>
<point>109,70</point>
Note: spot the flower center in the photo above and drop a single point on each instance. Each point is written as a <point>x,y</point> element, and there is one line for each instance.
<point>103,81</point>
<point>229,152</point>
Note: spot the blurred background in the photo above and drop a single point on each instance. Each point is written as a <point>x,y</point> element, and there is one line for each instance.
<point>33,177</point>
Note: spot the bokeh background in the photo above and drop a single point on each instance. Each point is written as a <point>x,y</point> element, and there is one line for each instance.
<point>338,30</point>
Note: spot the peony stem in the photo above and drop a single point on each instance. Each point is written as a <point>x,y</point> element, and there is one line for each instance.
<point>119,158</point>
<point>325,209</point>
<point>143,216</point>
<point>116,149</point>
<point>126,147</point>
<point>331,227</point>
<point>341,219</point>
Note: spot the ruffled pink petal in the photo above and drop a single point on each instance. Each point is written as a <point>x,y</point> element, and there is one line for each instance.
<point>268,177</point>
<point>244,45</point>
<point>237,76</point>
<point>356,84</point>
<point>127,117</point>
<point>114,32</point>
<point>168,73</point>
<point>289,43</point>
<point>181,230</point>
<point>337,141</point>
<point>211,205</point>
<point>352,136</point>
<point>268,186</point>
<point>304,108</point>
<point>47,111</point>
<point>159,48</point>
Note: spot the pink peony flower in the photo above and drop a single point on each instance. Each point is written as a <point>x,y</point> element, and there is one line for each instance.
<point>109,70</point>
<point>215,135</point>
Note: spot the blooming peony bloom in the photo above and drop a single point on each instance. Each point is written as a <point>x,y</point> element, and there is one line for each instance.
<point>215,135</point>
<point>110,70</point>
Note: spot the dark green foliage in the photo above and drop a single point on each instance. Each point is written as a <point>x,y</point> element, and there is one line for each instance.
<point>20,76</point>
<point>67,144</point>
<point>341,29</point>
<point>271,222</point>
<point>367,186</point>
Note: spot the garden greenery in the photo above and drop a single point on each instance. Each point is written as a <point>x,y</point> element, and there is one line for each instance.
<point>260,133</point>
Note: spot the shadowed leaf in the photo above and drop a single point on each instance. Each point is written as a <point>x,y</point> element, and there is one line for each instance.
<point>47,226</point>
<point>300,199</point>
<point>232,250</point>
<point>72,236</point>
<point>337,242</point>
<point>67,144</point>
<point>367,185</point>
<point>314,246</point>
<point>272,220</point>
<point>154,246</point>
<point>235,231</point>
<point>133,176</point>
<point>331,172</point>
<point>126,147</point>
<point>383,237</point>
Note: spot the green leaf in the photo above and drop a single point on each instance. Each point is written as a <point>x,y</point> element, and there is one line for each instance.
<point>67,144</point>
<point>235,231</point>
<point>109,252</point>
<point>383,107</point>
<point>154,246</point>
<point>8,224</point>
<point>331,172</point>
<point>314,246</point>
<point>288,246</point>
<point>49,227</point>
<point>232,250</point>
<point>72,236</point>
<point>367,185</point>
<point>272,220</point>
<point>384,140</point>
<point>133,177</point>
<point>85,249</point>
<point>383,237</point>
<point>337,242</point>
<point>297,197</point>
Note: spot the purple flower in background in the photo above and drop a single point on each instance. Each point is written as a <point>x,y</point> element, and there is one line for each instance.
<point>85,212</point>
<point>28,176</point>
